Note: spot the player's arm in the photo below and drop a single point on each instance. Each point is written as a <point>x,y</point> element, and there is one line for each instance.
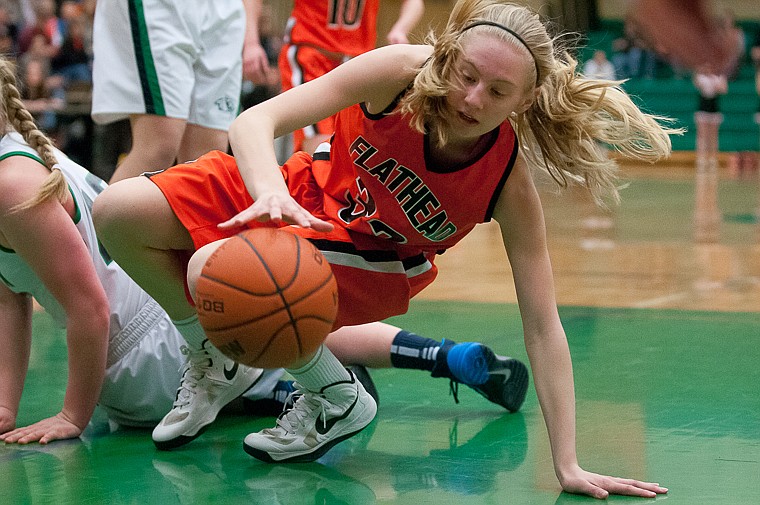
<point>15,340</point>
<point>520,216</point>
<point>46,238</point>
<point>410,14</point>
<point>374,78</point>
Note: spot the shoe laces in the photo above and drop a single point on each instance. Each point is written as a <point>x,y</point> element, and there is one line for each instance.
<point>454,390</point>
<point>193,370</point>
<point>303,408</point>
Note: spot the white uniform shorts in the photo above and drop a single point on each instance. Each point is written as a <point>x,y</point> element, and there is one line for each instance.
<point>173,58</point>
<point>144,370</point>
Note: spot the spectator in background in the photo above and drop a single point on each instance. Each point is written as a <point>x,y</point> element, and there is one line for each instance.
<point>7,44</point>
<point>41,98</point>
<point>599,67</point>
<point>632,56</point>
<point>8,31</point>
<point>47,24</point>
<point>72,63</point>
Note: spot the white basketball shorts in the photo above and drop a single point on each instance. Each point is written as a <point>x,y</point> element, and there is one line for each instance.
<point>173,58</point>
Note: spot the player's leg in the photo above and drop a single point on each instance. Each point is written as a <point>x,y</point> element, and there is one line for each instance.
<point>300,64</point>
<point>145,69</point>
<point>500,379</point>
<point>217,76</point>
<point>143,234</point>
<point>155,144</point>
<point>333,404</point>
<point>198,140</point>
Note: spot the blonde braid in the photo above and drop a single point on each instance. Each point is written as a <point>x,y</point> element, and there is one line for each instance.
<point>22,121</point>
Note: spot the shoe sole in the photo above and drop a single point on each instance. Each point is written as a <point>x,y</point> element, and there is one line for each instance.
<point>179,441</point>
<point>302,458</point>
<point>516,387</point>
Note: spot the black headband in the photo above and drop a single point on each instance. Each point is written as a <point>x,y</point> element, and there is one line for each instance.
<point>511,32</point>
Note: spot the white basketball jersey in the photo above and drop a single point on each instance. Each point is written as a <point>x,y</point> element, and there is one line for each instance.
<point>124,296</point>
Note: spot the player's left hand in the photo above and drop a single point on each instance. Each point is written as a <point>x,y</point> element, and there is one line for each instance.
<point>47,430</point>
<point>255,64</point>
<point>277,207</point>
<point>397,37</point>
<point>579,481</point>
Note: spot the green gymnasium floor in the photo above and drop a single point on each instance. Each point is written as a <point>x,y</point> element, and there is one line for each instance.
<point>662,395</point>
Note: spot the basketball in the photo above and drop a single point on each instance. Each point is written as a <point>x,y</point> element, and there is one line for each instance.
<point>266,298</point>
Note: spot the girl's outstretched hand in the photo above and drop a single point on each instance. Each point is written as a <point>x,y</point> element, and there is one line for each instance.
<point>47,430</point>
<point>580,481</point>
<point>279,208</point>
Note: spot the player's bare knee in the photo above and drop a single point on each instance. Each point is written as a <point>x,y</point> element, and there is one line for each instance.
<point>196,263</point>
<point>103,210</point>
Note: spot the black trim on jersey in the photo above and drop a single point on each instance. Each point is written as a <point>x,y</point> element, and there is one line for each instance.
<point>321,156</point>
<point>137,42</point>
<point>390,108</point>
<point>502,181</point>
<point>155,172</point>
<point>374,256</point>
<point>414,261</point>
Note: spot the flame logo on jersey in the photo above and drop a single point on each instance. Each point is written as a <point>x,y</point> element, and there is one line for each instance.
<point>361,205</point>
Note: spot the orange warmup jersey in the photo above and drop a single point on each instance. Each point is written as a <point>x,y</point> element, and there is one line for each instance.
<point>347,27</point>
<point>319,36</point>
<point>392,209</point>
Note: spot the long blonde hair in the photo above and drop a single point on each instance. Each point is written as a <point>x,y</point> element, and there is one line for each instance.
<point>14,114</point>
<point>564,129</point>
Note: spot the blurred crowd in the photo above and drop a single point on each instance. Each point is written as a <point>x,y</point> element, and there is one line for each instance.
<point>633,56</point>
<point>52,45</point>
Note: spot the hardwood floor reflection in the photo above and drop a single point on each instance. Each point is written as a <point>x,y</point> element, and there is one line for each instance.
<point>646,253</point>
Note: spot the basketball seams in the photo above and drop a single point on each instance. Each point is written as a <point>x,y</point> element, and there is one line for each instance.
<point>302,306</point>
<point>268,314</point>
<point>280,289</point>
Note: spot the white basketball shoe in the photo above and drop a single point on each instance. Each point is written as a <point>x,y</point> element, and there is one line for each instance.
<point>316,422</point>
<point>209,382</point>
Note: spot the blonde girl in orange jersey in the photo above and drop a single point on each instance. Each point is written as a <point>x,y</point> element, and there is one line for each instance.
<point>418,127</point>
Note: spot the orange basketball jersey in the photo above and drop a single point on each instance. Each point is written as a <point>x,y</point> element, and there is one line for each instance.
<point>348,27</point>
<point>378,181</point>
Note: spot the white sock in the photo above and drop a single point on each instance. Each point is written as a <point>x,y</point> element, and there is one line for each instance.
<point>323,369</point>
<point>192,331</point>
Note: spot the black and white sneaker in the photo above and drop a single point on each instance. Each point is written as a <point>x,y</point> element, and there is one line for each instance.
<point>209,382</point>
<point>316,422</point>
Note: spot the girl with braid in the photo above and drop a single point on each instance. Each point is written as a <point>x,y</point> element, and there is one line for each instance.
<point>123,352</point>
<point>429,141</point>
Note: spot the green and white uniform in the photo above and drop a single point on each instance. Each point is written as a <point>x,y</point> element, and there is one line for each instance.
<point>144,350</point>
<point>175,58</point>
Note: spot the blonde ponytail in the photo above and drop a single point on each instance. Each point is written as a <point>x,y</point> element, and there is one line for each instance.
<point>565,130</point>
<point>22,121</point>
<point>573,122</point>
